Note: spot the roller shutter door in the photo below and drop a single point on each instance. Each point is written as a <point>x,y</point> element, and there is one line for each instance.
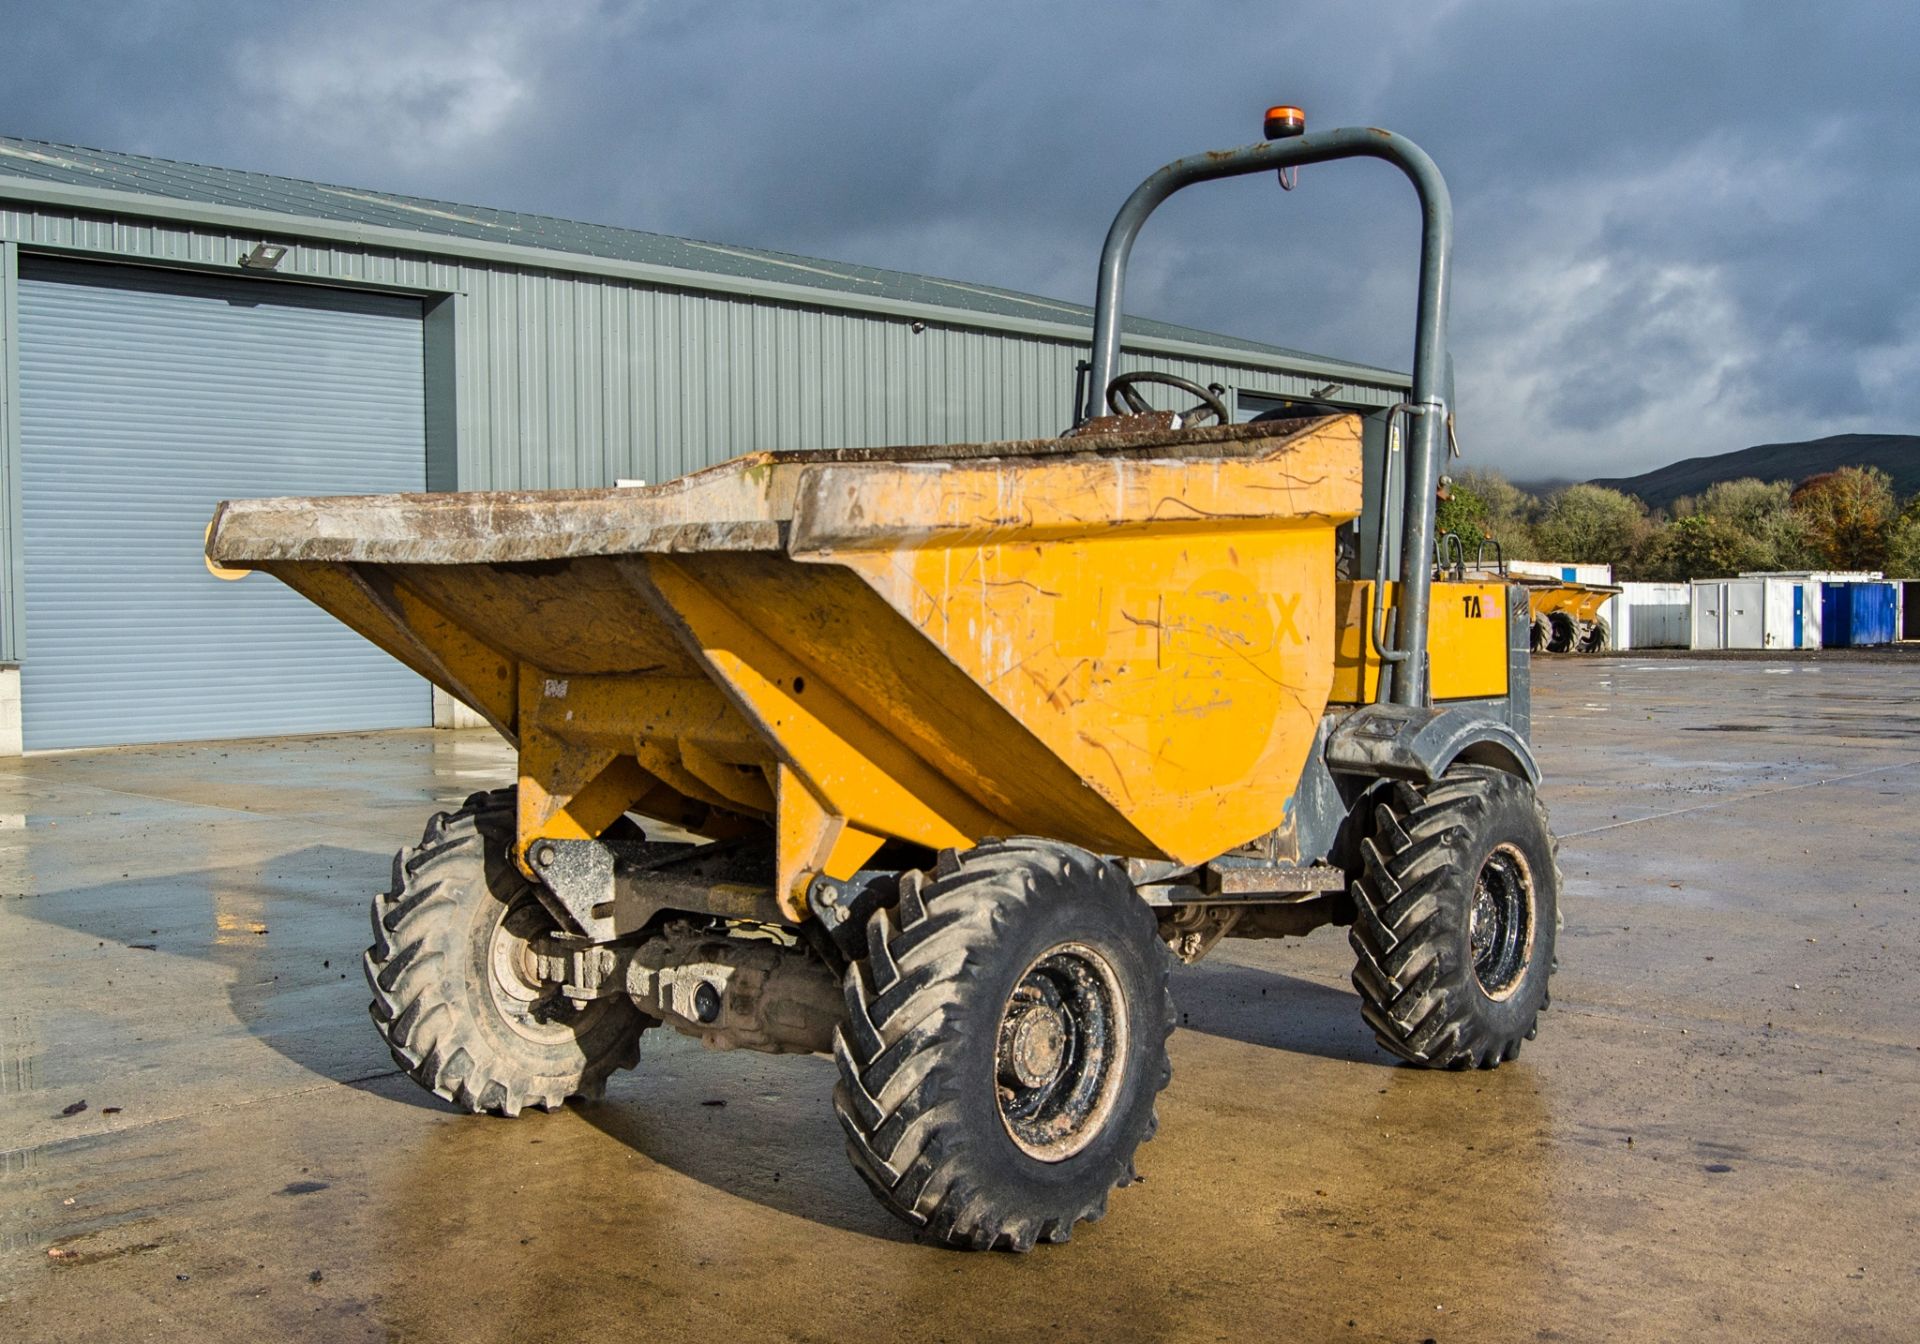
<point>145,398</point>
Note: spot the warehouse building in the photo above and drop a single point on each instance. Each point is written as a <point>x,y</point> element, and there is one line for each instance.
<point>172,335</point>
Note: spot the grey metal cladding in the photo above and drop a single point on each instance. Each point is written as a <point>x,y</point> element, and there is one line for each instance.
<point>564,379</point>
<point>73,165</point>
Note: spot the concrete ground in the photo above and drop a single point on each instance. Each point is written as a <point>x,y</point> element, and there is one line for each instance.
<point>1713,1137</point>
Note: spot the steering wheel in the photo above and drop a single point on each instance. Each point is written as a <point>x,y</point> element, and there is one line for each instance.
<point>1123,389</point>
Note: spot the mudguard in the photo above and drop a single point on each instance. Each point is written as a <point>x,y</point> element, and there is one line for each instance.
<point>1419,742</point>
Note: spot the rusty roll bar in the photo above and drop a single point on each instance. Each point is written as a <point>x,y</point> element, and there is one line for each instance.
<point>1426,405</point>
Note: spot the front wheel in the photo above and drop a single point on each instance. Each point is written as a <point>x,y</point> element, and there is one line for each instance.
<point>1540,634</point>
<point>1006,1039</point>
<point>1455,910</point>
<point>454,970</point>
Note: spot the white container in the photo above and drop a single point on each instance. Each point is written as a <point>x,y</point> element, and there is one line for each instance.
<point>1545,569</point>
<point>1793,614</point>
<point>1652,616</point>
<point>1820,575</point>
<point>1756,613</point>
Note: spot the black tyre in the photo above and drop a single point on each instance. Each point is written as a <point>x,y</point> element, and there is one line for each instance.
<point>1006,1039</point>
<point>1563,632</point>
<point>1456,910</point>
<point>1540,635</point>
<point>455,991</point>
<point>1596,636</point>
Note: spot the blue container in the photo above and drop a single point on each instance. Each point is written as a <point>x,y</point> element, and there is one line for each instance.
<point>1853,615</point>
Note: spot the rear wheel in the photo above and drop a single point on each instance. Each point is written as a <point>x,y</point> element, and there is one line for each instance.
<point>1005,1043</point>
<point>1596,636</point>
<point>454,970</point>
<point>1456,911</point>
<point>1563,632</point>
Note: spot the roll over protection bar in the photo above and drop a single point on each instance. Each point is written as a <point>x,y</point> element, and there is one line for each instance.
<point>1427,402</point>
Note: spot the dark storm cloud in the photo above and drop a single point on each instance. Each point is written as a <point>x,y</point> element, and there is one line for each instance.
<point>1682,228</point>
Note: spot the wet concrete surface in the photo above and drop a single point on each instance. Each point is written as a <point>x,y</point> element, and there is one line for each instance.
<point>1713,1136</point>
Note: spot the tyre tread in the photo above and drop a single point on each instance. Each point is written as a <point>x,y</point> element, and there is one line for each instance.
<point>415,927</point>
<point>894,1101</point>
<point>1414,994</point>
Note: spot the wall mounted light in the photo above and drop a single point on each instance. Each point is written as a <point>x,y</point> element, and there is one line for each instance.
<point>263,257</point>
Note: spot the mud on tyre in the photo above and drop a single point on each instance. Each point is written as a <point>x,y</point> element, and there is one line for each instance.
<point>1005,1044</point>
<point>455,992</point>
<point>1456,910</point>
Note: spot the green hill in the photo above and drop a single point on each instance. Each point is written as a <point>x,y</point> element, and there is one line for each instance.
<point>1896,454</point>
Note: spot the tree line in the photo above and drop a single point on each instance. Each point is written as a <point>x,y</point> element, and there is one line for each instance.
<point>1848,519</point>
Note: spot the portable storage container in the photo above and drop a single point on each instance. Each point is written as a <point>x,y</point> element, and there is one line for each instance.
<point>1756,613</point>
<point>1792,616</point>
<point>1652,616</point>
<point>1547,569</point>
<point>1726,614</point>
<point>1858,615</point>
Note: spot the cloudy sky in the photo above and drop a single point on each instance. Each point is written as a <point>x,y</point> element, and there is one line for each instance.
<point>1683,227</point>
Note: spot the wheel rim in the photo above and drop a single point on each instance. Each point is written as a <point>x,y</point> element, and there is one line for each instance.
<point>1500,932</point>
<point>532,1007</point>
<point>1061,1050</point>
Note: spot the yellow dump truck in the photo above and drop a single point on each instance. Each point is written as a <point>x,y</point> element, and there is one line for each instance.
<point>1566,616</point>
<point>1567,613</point>
<point>932,759</point>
